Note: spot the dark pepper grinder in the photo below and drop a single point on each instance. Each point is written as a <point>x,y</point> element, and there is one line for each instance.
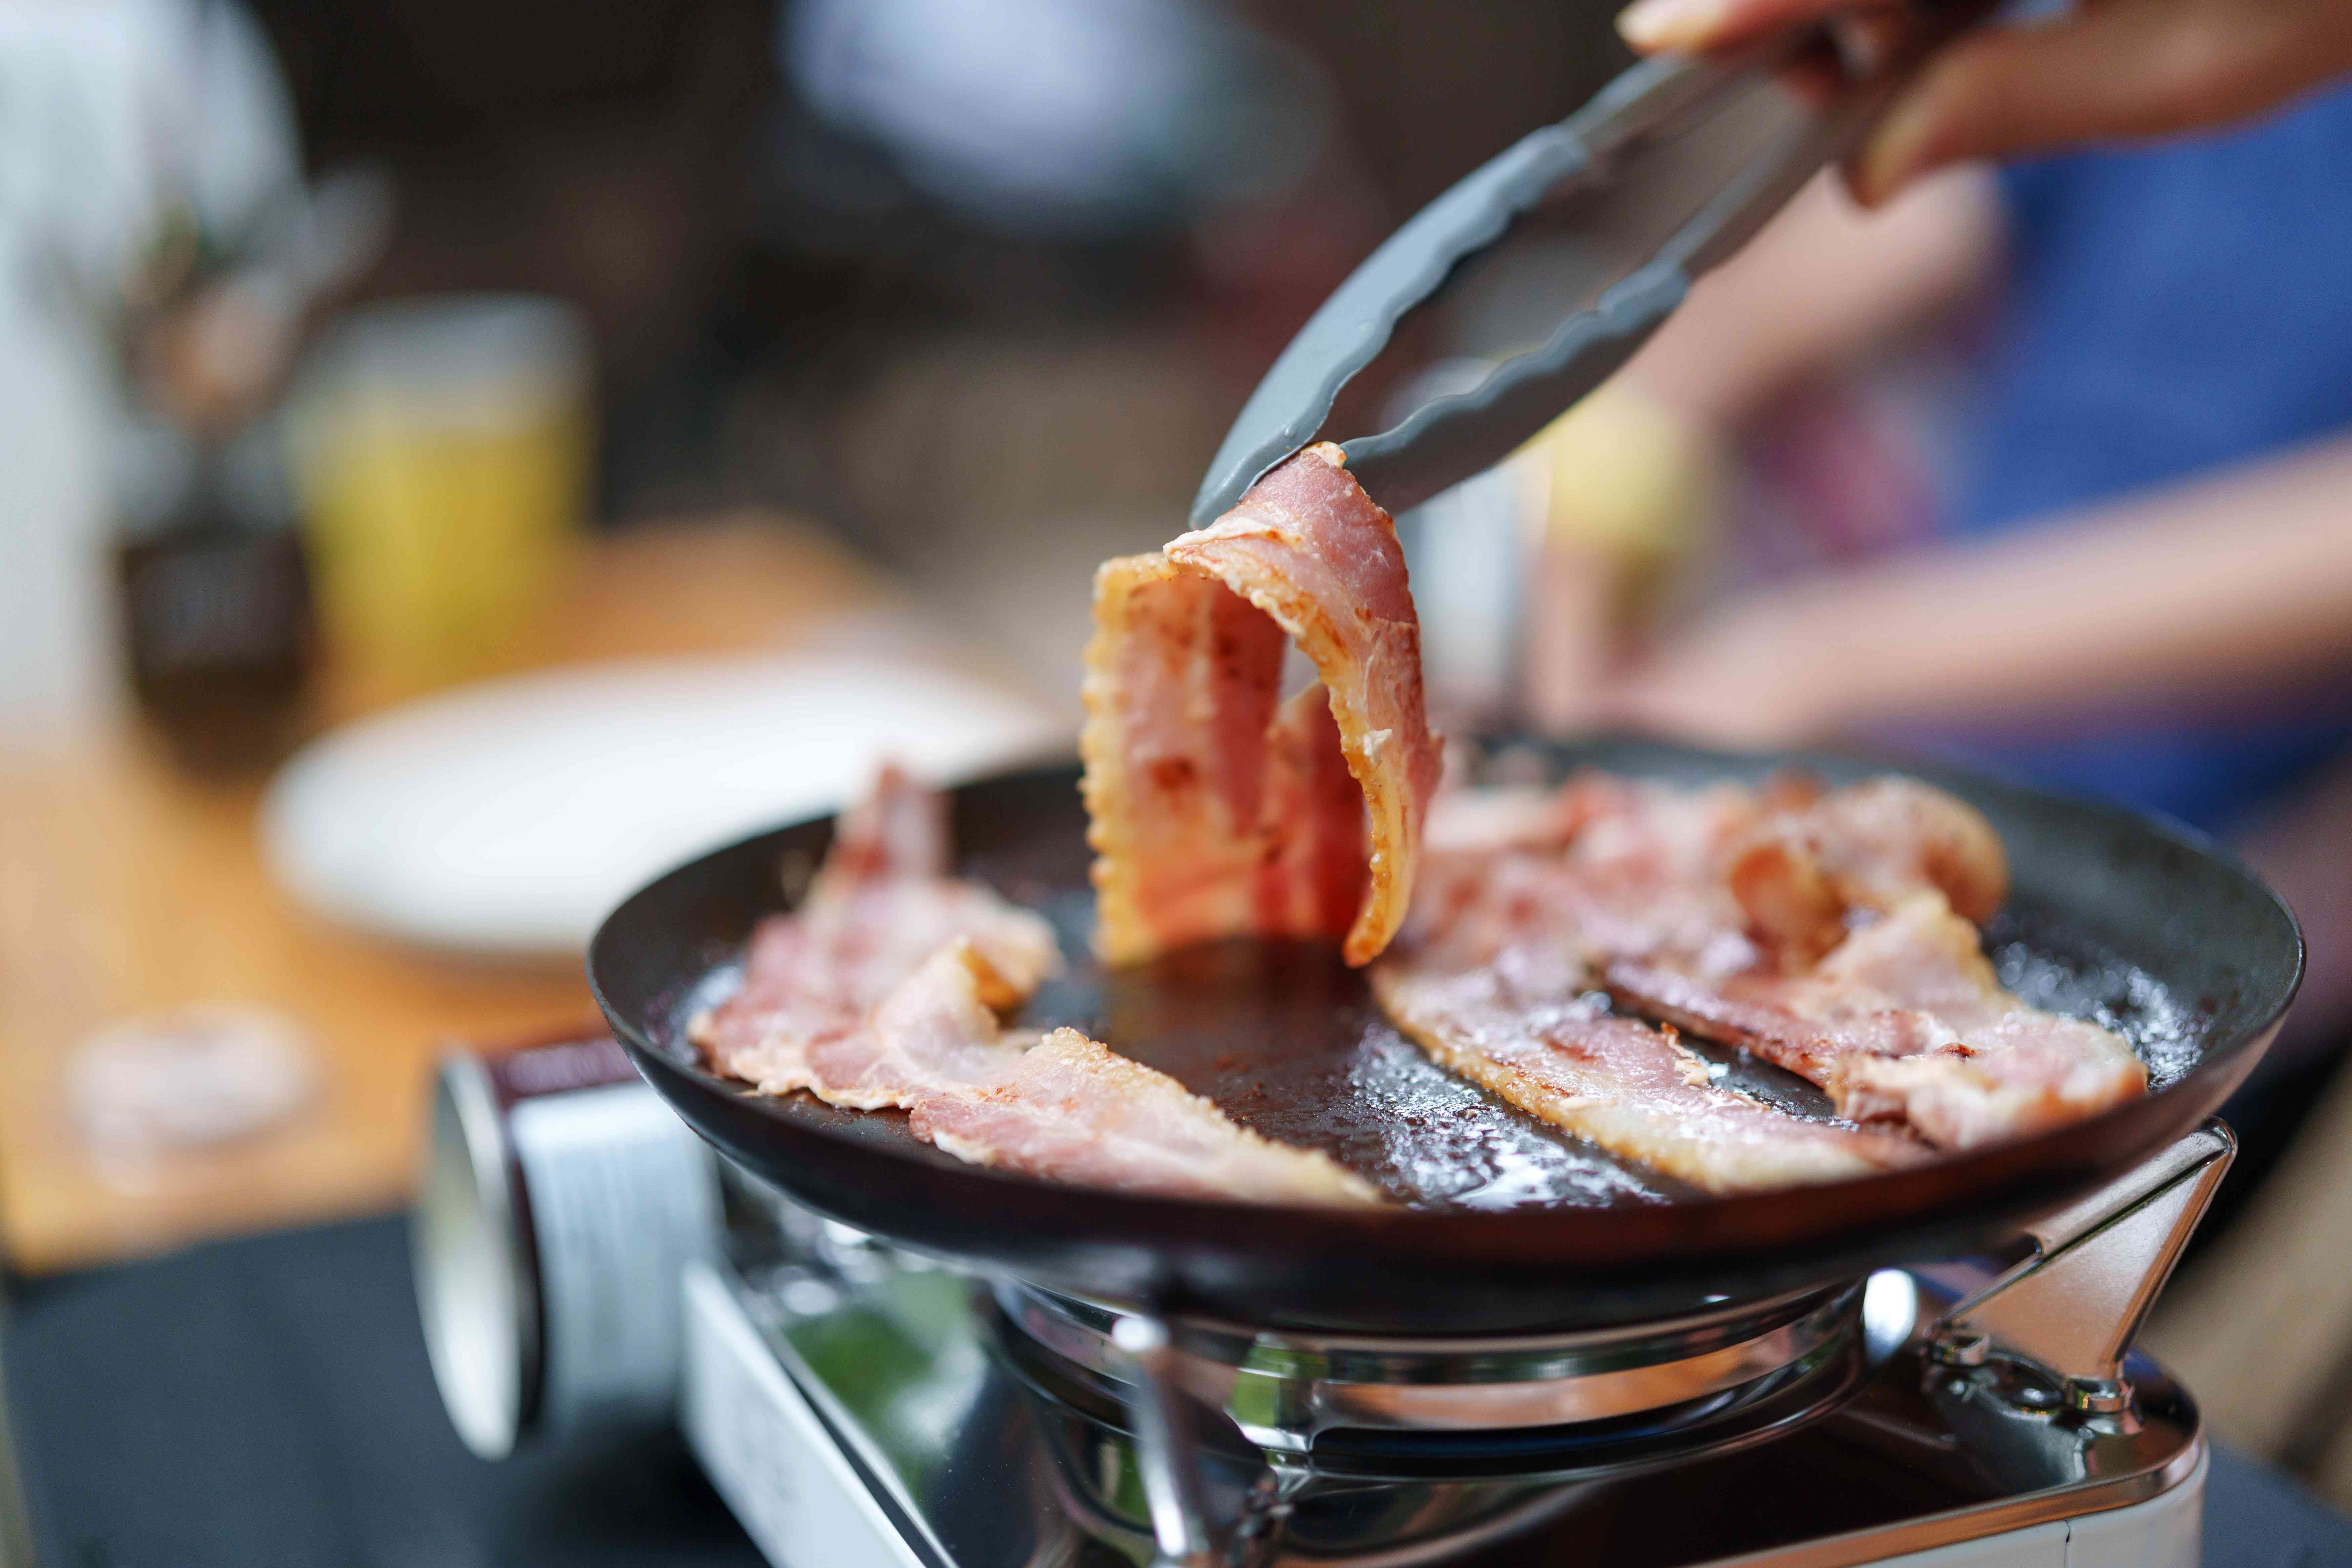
<point>215,609</point>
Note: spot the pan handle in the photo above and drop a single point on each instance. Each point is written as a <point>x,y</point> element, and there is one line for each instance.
<point>2074,1307</point>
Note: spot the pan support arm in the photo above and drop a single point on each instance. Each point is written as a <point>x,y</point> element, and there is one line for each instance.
<point>2071,1311</point>
<point>1164,1447</point>
<point>1168,1460</point>
<point>2073,1306</point>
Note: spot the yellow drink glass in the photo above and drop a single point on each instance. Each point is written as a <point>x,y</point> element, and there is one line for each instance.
<point>442,450</point>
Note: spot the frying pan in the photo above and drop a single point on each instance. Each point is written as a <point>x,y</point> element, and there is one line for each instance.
<point>2178,940</point>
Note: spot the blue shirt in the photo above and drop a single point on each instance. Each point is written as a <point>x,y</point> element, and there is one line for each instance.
<point>2172,309</point>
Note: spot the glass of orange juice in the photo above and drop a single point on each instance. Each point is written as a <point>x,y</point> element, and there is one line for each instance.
<point>441,448</point>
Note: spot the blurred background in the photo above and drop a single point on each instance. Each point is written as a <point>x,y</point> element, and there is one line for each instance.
<point>459,458</point>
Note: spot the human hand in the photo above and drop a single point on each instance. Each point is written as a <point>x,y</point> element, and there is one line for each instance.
<point>1632,488</point>
<point>2107,69</point>
<point>1757,673</point>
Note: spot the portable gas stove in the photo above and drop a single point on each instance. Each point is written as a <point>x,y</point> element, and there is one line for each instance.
<point>861,1406</point>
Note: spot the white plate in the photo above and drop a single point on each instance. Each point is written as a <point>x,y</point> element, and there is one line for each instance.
<point>507,817</point>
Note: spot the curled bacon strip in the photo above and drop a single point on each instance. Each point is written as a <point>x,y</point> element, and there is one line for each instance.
<point>1218,810</point>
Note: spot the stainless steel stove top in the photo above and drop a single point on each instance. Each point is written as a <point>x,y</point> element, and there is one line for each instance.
<point>580,1257</point>
<point>859,1407</point>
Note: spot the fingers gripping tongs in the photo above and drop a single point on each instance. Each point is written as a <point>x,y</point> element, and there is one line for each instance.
<point>1663,175</point>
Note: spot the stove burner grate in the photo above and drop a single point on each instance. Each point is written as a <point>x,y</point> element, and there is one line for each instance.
<point>1525,1405</point>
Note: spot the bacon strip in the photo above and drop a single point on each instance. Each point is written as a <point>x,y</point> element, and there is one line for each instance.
<point>1816,928</point>
<point>880,905</point>
<point>1075,1111</point>
<point>1905,1021</point>
<point>934,1033</point>
<point>1216,811</point>
<point>883,990</point>
<point>1068,1109</point>
<point>1869,846</point>
<point>1622,1084</point>
<point>1492,979</point>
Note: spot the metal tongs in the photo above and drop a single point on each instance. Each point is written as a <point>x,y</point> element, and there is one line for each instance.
<point>1669,170</point>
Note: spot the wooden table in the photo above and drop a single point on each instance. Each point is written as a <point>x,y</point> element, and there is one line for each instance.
<point>127,885</point>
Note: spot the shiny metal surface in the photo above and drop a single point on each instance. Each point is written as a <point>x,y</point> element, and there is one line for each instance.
<point>2061,1467</point>
<point>2074,1307</point>
<point>1283,1389</point>
<point>477,1289</point>
<point>1164,1444</point>
<point>1290,1515</point>
<point>559,1202</point>
<point>980,1466</point>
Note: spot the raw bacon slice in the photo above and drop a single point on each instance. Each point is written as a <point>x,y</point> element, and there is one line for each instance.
<point>899,829</point>
<point>1905,1021</point>
<point>879,906</point>
<point>1075,1111</point>
<point>1622,1084</point>
<point>1216,810</point>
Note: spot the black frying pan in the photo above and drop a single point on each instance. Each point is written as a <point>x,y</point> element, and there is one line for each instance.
<point>2193,956</point>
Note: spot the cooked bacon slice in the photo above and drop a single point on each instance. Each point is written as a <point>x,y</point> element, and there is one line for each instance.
<point>1465,820</point>
<point>1493,974</point>
<point>1733,915</point>
<point>1905,1021</point>
<point>1869,846</point>
<point>1622,1084</point>
<point>1815,927</point>
<point>1073,1110</point>
<point>1607,866</point>
<point>883,989</point>
<point>1742,875</point>
<point>936,1032</point>
<point>899,829</point>
<point>1217,811</point>
<point>1068,1109</point>
<point>880,905</point>
<point>1307,546</point>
